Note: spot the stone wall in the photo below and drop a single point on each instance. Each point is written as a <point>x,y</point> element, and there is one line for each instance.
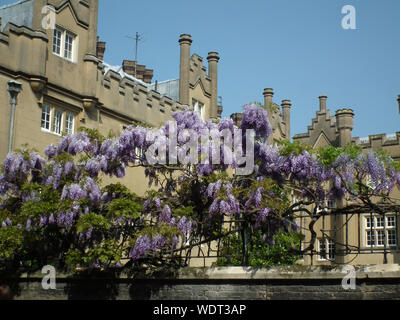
<point>234,283</point>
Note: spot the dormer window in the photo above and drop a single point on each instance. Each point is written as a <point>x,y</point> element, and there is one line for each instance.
<point>64,44</point>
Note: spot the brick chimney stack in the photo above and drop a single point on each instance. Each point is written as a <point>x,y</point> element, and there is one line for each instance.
<point>100,49</point>
<point>142,73</point>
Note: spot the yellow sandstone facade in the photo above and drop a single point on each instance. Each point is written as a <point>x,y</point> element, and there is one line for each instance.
<point>66,84</point>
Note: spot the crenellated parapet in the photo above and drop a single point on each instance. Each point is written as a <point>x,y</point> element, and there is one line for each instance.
<point>133,98</point>
<point>28,45</point>
<point>387,142</point>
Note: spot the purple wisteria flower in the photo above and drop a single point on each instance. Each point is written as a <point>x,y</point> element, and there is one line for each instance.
<point>51,151</point>
<point>166,215</point>
<point>73,192</point>
<point>158,241</point>
<point>43,221</point>
<point>262,217</point>
<point>256,118</point>
<point>157,202</point>
<point>185,225</point>
<point>141,247</point>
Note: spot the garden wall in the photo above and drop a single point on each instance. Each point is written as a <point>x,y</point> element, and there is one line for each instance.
<point>233,283</point>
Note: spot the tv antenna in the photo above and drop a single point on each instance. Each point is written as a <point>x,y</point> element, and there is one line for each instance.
<point>138,38</point>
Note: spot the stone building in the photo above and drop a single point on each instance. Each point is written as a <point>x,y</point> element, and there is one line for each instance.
<point>67,84</point>
<point>360,238</point>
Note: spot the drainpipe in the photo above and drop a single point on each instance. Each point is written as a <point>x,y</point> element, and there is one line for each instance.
<point>14,88</point>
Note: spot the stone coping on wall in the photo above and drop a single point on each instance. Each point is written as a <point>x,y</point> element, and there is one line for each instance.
<point>249,273</point>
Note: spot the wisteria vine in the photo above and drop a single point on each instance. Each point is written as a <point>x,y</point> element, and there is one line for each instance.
<point>55,207</point>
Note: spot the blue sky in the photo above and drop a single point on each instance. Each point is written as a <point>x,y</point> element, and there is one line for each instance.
<point>299,48</point>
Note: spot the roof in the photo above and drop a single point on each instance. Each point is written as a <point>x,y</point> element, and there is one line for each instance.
<point>169,88</point>
<point>13,4</point>
<point>19,13</point>
<point>123,74</point>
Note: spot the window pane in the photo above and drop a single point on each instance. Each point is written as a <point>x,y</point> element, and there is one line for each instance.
<point>379,222</point>
<point>331,250</point>
<point>57,41</point>
<point>57,122</point>
<point>46,117</point>
<point>68,46</point>
<point>381,236</point>
<point>201,110</point>
<point>322,249</point>
<point>369,222</point>
<point>331,204</point>
<point>69,123</point>
<point>370,238</point>
<point>392,237</point>
<point>391,221</point>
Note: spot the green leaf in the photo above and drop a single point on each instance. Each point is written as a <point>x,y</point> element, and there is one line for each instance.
<point>11,240</point>
<point>92,220</point>
<point>125,208</point>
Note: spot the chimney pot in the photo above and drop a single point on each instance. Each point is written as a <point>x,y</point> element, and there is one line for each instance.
<point>268,92</point>
<point>268,95</point>
<point>322,103</point>
<point>286,103</point>
<point>213,56</point>
<point>185,38</point>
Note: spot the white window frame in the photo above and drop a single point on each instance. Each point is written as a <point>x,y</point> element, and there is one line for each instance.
<point>46,110</point>
<point>69,46</point>
<point>69,129</point>
<point>395,237</point>
<point>58,46</point>
<point>58,117</point>
<point>63,125</point>
<point>327,206</point>
<point>378,228</point>
<point>329,249</point>
<point>63,47</point>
